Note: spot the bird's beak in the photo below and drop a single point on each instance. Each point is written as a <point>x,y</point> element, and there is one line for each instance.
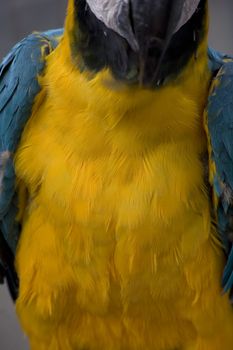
<point>145,23</point>
<point>142,20</point>
<point>154,22</point>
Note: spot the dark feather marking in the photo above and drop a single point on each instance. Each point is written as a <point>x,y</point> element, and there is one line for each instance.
<point>4,157</point>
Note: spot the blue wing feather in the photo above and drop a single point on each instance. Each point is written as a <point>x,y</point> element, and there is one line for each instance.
<point>19,86</point>
<point>220,130</point>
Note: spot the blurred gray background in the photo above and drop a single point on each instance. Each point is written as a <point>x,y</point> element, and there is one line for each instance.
<point>20,17</point>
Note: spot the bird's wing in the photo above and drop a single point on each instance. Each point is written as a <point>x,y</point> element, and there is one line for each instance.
<point>19,86</point>
<point>219,127</point>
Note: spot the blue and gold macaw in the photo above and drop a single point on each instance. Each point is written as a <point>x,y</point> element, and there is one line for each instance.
<point>116,180</point>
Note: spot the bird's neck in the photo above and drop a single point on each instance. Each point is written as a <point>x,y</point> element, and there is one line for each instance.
<point>165,113</point>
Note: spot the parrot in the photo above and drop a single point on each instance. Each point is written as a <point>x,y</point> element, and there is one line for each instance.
<point>116,180</point>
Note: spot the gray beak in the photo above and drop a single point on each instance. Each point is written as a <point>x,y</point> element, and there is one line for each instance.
<point>126,16</point>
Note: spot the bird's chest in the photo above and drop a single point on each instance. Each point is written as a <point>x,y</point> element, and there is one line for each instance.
<point>126,217</point>
<point>125,224</point>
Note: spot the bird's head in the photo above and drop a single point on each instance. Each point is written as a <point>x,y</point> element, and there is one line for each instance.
<point>145,42</point>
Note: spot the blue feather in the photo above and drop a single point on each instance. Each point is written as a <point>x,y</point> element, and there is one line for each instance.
<point>19,86</point>
<point>220,129</point>
<point>228,272</point>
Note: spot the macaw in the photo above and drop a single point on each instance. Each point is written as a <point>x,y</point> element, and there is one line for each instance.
<point>116,180</point>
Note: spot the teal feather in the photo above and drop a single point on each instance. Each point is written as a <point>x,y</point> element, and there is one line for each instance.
<point>220,129</point>
<point>19,86</point>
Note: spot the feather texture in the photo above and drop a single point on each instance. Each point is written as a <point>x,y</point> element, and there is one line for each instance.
<point>19,86</point>
<point>219,128</point>
<point>118,250</point>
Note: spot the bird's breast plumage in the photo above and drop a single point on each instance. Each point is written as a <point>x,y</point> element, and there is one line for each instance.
<point>117,209</point>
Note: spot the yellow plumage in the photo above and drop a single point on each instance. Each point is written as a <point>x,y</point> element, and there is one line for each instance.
<point>117,250</point>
